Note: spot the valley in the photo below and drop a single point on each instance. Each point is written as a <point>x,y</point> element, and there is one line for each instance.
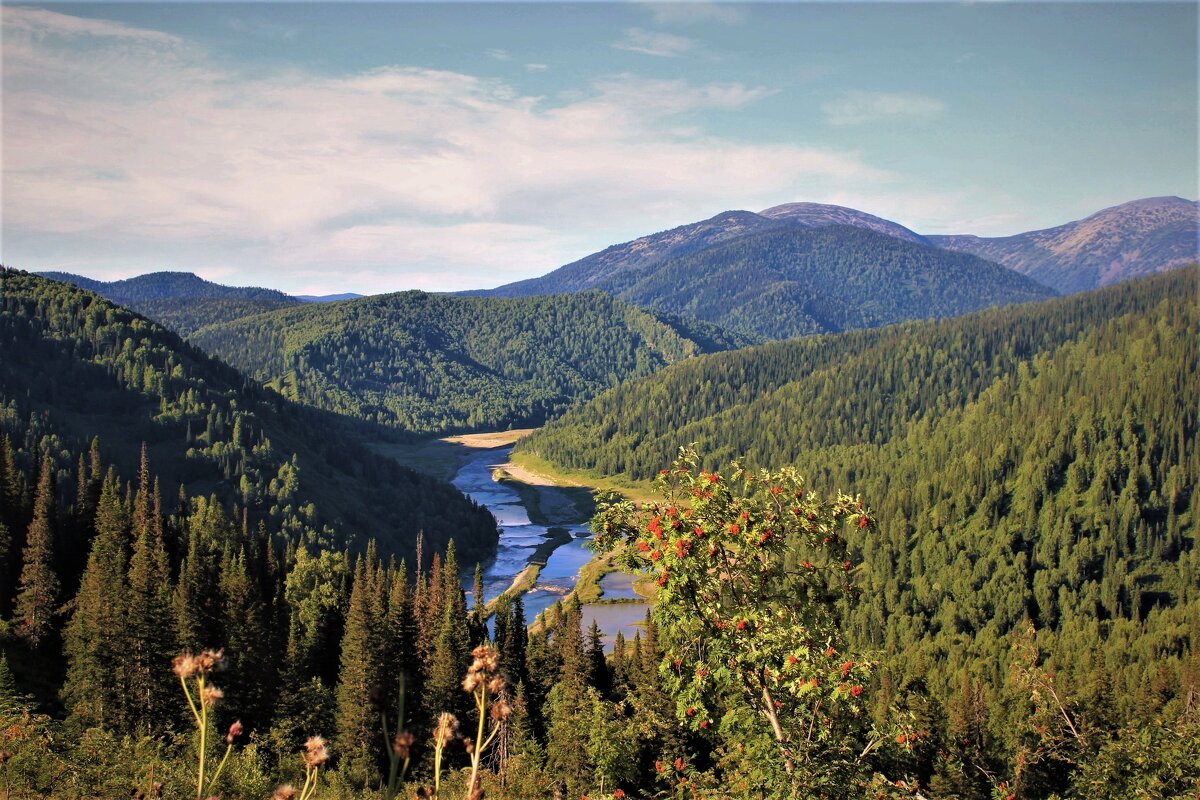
<point>898,490</point>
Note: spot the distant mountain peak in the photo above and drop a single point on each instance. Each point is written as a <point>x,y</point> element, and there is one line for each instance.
<point>821,215</point>
<point>1124,241</point>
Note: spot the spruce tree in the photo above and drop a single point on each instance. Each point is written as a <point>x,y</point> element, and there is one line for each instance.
<point>152,636</point>
<point>95,637</point>
<point>248,683</point>
<point>358,683</point>
<point>37,595</point>
<point>452,647</point>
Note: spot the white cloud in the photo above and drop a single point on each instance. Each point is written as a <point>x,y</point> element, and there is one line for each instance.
<point>536,67</point>
<point>858,107</point>
<point>684,13</point>
<point>160,159</point>
<point>651,43</point>
<point>499,54</point>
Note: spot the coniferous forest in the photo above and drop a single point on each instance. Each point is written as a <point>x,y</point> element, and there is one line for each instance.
<point>671,400</point>
<point>198,595</point>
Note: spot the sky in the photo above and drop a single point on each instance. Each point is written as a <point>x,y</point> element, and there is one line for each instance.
<point>343,147</point>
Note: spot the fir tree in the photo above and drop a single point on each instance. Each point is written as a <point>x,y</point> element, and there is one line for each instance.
<point>359,682</point>
<point>38,592</point>
<point>452,647</point>
<point>152,637</point>
<point>94,639</point>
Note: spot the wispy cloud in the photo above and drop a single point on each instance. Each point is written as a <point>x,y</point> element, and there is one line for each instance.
<point>858,107</point>
<point>499,54</point>
<point>39,22</point>
<point>163,158</point>
<point>652,43</point>
<point>669,13</point>
<point>536,67</point>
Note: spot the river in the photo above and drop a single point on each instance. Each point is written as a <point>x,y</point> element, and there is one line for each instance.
<point>520,537</point>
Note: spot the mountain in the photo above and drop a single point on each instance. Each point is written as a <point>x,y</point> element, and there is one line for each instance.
<point>1125,241</point>
<point>793,269</point>
<point>1037,463</point>
<point>598,269</point>
<point>181,301</point>
<point>593,271</point>
<point>819,215</point>
<point>435,363</point>
<point>796,281</point>
<point>77,366</point>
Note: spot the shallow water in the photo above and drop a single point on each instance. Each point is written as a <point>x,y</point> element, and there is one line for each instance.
<point>519,538</point>
<point>618,586</point>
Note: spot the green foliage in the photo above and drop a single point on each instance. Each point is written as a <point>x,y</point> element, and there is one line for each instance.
<point>789,282</point>
<point>37,596</point>
<point>436,363</point>
<point>750,569</point>
<point>96,368</point>
<point>1034,463</point>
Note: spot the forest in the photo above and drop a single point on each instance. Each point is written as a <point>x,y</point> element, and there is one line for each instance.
<point>977,580</point>
<point>793,282</point>
<point>430,363</point>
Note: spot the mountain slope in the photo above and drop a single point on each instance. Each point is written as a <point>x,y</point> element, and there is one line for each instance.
<point>181,301</point>
<point>90,368</point>
<point>796,281</point>
<point>1125,241</point>
<point>590,272</point>
<point>434,363</point>
<point>1037,462</point>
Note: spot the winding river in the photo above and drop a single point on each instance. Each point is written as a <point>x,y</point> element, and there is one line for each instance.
<point>519,538</point>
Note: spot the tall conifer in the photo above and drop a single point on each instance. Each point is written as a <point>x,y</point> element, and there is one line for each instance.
<point>37,595</point>
<point>94,639</point>
<point>152,636</point>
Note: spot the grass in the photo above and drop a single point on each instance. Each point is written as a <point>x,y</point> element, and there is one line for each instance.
<point>639,491</point>
<point>443,458</point>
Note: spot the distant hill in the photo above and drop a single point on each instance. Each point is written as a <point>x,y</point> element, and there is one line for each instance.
<point>82,367</point>
<point>436,363</point>
<point>327,298</point>
<point>167,286</point>
<point>181,301</point>
<point>1125,241</point>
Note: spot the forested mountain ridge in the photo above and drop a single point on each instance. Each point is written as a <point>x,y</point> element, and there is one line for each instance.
<point>646,251</point>
<point>434,363</point>
<point>1126,241</point>
<point>1037,462</point>
<point>76,366</point>
<point>181,301</point>
<point>799,281</point>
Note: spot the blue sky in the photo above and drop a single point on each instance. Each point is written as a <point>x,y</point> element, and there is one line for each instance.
<point>328,147</point>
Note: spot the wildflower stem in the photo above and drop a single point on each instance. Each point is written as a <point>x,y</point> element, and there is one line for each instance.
<point>203,738</point>
<point>310,784</point>
<point>191,703</point>
<point>212,781</point>
<point>437,768</point>
<point>481,704</point>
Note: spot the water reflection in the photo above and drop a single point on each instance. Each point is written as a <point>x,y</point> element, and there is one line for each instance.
<point>519,538</point>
